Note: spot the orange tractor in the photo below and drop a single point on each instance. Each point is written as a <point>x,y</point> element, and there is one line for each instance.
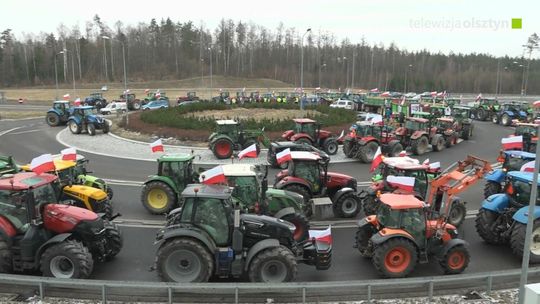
<point>406,231</point>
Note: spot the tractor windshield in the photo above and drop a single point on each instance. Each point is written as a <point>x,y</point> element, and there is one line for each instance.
<point>246,189</point>
<point>388,217</point>
<point>525,130</point>
<point>520,192</point>
<point>412,125</point>
<point>442,124</point>
<point>461,113</point>
<point>514,163</point>
<point>308,170</point>
<point>88,112</point>
<point>45,194</point>
<point>66,175</point>
<point>13,208</point>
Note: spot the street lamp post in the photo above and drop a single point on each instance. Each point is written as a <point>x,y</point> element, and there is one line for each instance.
<point>105,56</point>
<point>353,62</point>
<point>72,69</point>
<point>406,72</point>
<point>323,66</point>
<point>302,69</point>
<point>56,76</point>
<point>211,84</point>
<point>346,62</point>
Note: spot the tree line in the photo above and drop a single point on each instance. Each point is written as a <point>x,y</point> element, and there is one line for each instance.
<point>168,50</point>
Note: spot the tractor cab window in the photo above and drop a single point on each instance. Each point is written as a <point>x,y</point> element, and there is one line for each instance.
<point>13,208</point>
<point>66,175</point>
<point>87,112</point>
<point>444,124</point>
<point>308,171</point>
<point>388,217</point>
<point>246,188</point>
<point>60,107</point>
<point>210,215</point>
<point>521,193</point>
<point>514,163</point>
<point>187,209</point>
<point>412,220</point>
<point>174,170</point>
<point>309,129</point>
<point>412,125</point>
<point>44,195</point>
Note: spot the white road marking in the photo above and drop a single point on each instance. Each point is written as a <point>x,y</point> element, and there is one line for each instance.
<point>7,131</point>
<point>23,132</point>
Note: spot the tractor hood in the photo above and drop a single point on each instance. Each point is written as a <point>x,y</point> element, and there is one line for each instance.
<point>263,227</point>
<point>85,191</point>
<point>285,195</point>
<point>281,174</point>
<point>287,134</point>
<point>96,119</point>
<point>62,218</point>
<point>325,134</point>
<point>338,180</point>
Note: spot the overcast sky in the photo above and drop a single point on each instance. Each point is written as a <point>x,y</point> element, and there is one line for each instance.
<point>437,25</point>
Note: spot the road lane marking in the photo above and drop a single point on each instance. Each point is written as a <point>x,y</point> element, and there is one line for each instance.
<point>7,131</point>
<point>24,132</point>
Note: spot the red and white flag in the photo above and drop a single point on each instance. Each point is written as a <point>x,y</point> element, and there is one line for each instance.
<point>250,151</point>
<point>478,97</point>
<point>402,182</point>
<point>283,156</point>
<point>512,142</point>
<point>146,91</point>
<point>426,162</point>
<point>385,94</point>
<point>374,90</point>
<point>341,135</point>
<point>66,97</point>
<point>403,100</point>
<point>433,94</point>
<point>536,103</point>
<point>213,176</point>
<point>377,120</point>
<point>377,159</point>
<point>157,146</point>
<point>43,163</point>
<point>324,236</point>
<point>69,154</point>
<point>402,153</point>
<point>528,167</point>
<point>158,95</point>
<point>435,165</point>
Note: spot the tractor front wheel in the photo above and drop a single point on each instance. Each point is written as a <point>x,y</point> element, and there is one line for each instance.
<point>91,129</point>
<point>347,148</point>
<point>505,119</point>
<point>347,205</point>
<point>158,198</point>
<point>105,127</point>
<point>395,258</point>
<point>273,265</point>
<point>466,132</point>
<point>222,148</point>
<point>517,241</point>
<point>330,146</point>
<point>74,127</point>
<point>485,223</point>
<point>439,143</point>
<point>455,260</point>
<point>491,188</point>
<point>184,260</point>
<point>394,148</point>
<point>363,235</point>
<point>420,145</point>
<point>370,205</point>
<point>52,119</point>
<point>301,223</point>
<point>367,152</point>
<point>458,211</point>
<point>114,239</point>
<point>481,114</point>
<point>67,260</point>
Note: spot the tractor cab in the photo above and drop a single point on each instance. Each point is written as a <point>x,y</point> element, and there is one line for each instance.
<point>178,168</point>
<point>230,128</point>
<point>246,182</point>
<point>529,133</point>
<point>445,123</point>
<point>461,112</point>
<point>518,188</point>
<point>306,126</point>
<point>404,166</point>
<point>513,160</point>
<point>403,212</point>
<point>192,96</point>
<point>413,124</point>
<point>59,113</point>
<point>309,167</point>
<point>62,107</point>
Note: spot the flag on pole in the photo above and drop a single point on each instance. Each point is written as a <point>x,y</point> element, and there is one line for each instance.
<point>513,142</point>
<point>157,146</point>
<point>213,176</point>
<point>43,163</point>
<point>158,94</point>
<point>324,236</point>
<point>385,94</point>
<point>250,151</point>
<point>433,94</point>
<point>77,101</point>
<point>374,90</point>
<point>341,135</point>
<point>402,103</point>
<point>528,167</point>
<point>283,156</point>
<point>146,91</point>
<point>377,160</point>
<point>402,182</point>
<point>478,97</point>
<point>66,97</point>
<point>69,154</point>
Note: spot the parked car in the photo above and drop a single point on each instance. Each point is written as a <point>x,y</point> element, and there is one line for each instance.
<point>156,104</point>
<point>113,108</point>
<point>344,104</point>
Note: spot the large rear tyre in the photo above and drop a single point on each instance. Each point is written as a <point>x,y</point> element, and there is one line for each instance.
<point>301,223</point>
<point>394,148</point>
<point>347,206</point>
<point>466,132</point>
<point>348,147</point>
<point>485,224</point>
<point>491,188</point>
<point>439,143</point>
<point>273,265</point>
<point>52,119</point>
<point>6,265</point>
<point>110,192</point>
<point>367,152</point>
<point>115,241</point>
<point>67,260</point>
<point>330,146</point>
<point>158,198</point>
<point>184,260</point>
<point>105,127</point>
<point>395,258</point>
<point>222,148</point>
<point>517,241</point>
<point>455,260</point>
<point>370,205</point>
<point>481,114</point>
<point>420,145</point>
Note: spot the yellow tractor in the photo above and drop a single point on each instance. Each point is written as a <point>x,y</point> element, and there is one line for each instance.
<point>90,198</point>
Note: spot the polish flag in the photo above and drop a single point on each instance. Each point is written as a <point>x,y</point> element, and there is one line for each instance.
<point>385,94</point>
<point>478,97</point>
<point>66,97</point>
<point>213,176</point>
<point>146,91</point>
<point>433,94</point>
<point>324,236</point>
<point>341,135</point>
<point>377,160</point>
<point>157,146</point>
<point>536,103</point>
<point>426,162</point>
<point>402,153</point>
<point>250,151</point>
<point>528,167</point>
<point>402,103</point>
<point>69,154</point>
<point>435,165</point>
<point>402,182</point>
<point>43,163</point>
<point>158,95</point>
<point>374,90</point>
<point>284,156</point>
<point>513,142</point>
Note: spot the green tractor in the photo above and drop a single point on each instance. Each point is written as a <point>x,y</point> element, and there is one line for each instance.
<point>485,108</point>
<point>8,165</point>
<point>230,136</point>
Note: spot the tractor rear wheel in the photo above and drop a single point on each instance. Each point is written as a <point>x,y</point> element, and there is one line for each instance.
<point>394,148</point>
<point>6,263</point>
<point>420,145</point>
<point>367,152</point>
<point>348,147</point>
<point>91,129</point>
<point>273,265</point>
<point>455,260</point>
<point>363,235</point>
<point>105,127</point>
<point>69,259</point>
<point>222,148</point>
<point>395,258</point>
<point>485,224</point>
<point>184,260</point>
<point>505,119</point>
<point>495,119</point>
<point>330,146</point>
<point>300,190</point>
<point>491,188</point>
<point>466,132</point>
<point>347,206</point>
<point>439,143</point>
<point>74,127</point>
<point>52,119</point>
<point>114,239</point>
<point>135,105</point>
<point>517,241</point>
<point>481,114</point>
<point>301,223</point>
<point>158,198</point>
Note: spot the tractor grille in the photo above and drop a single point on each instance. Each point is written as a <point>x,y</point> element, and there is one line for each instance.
<point>98,206</point>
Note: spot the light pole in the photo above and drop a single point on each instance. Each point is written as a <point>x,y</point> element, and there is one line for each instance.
<point>56,75</point>
<point>302,68</point>
<point>406,72</point>
<point>498,75</point>
<point>105,56</point>
<point>211,84</point>
<point>353,62</point>
<point>346,62</point>
<point>72,70</point>
<point>323,66</point>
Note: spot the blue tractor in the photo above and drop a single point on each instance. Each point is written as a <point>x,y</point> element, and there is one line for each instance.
<point>59,113</point>
<point>508,112</point>
<point>503,217</point>
<point>96,100</point>
<point>512,160</point>
<point>84,118</point>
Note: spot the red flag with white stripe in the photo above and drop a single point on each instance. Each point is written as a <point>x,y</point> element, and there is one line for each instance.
<point>385,94</point>
<point>250,151</point>
<point>213,176</point>
<point>66,97</point>
<point>43,163</point>
<point>478,97</point>
<point>157,146</point>
<point>513,142</point>
<point>426,162</point>
<point>324,236</point>
<point>283,156</point>
<point>402,182</point>
<point>377,159</point>
<point>528,167</point>
<point>69,154</point>
<point>403,153</point>
<point>374,90</point>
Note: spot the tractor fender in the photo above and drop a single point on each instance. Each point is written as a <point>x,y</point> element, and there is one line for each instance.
<point>285,211</point>
<point>496,176</point>
<point>522,214</point>
<point>287,134</point>
<point>291,180</point>
<point>211,137</point>
<point>451,244</point>
<point>496,202</point>
<point>260,246</point>
<point>388,233</point>
<point>59,238</point>
<point>76,119</point>
<point>298,136</point>
<point>370,220</point>
<point>166,180</point>
<point>509,113</point>
<point>341,192</point>
<point>220,136</point>
<point>192,233</point>
<point>365,140</point>
<point>54,111</point>
<point>418,134</point>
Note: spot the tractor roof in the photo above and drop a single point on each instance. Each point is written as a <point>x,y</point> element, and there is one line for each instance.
<point>59,164</point>
<point>526,124</point>
<point>59,157</point>
<point>182,157</point>
<point>421,113</point>
<point>211,191</point>
<point>462,107</point>
<point>418,119</point>
<point>84,108</point>
<point>446,119</point>
<point>304,155</point>
<point>23,181</point>
<point>61,101</point>
<point>523,176</point>
<point>405,163</point>
<point>303,120</point>
<point>238,170</point>
<point>226,122</point>
<point>401,201</point>
<point>519,153</point>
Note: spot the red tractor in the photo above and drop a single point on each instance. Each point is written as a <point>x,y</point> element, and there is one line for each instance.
<point>37,234</point>
<point>365,138</point>
<point>308,175</point>
<point>418,134</point>
<point>309,131</point>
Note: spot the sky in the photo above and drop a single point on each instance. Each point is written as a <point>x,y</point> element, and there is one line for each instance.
<point>459,26</point>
